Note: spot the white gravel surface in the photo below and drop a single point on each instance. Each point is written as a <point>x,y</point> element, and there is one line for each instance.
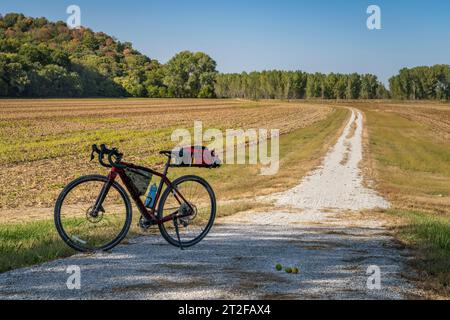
<point>237,260</point>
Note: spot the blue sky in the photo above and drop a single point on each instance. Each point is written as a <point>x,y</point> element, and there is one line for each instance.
<point>321,35</point>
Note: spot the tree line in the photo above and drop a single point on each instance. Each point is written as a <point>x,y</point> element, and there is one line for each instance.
<point>39,58</point>
<point>422,83</point>
<point>299,85</point>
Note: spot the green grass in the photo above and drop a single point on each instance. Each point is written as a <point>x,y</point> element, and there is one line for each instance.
<point>25,244</point>
<point>30,243</point>
<point>407,145</point>
<point>430,235</point>
<point>412,160</point>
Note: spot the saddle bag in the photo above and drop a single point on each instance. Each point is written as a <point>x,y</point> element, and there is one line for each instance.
<point>196,156</point>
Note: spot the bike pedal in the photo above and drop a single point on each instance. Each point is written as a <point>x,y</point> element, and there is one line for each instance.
<point>141,226</point>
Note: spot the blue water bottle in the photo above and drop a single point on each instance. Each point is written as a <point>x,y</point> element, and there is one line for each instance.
<point>151,196</point>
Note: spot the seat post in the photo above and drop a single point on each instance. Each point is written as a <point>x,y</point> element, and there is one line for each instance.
<point>166,167</point>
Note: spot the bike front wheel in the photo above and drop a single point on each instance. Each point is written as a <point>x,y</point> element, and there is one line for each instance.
<point>86,228</point>
<point>199,204</point>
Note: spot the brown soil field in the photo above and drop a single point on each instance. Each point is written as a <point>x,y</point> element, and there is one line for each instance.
<point>44,144</point>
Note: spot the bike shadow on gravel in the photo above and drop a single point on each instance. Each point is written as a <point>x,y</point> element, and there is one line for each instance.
<point>234,261</point>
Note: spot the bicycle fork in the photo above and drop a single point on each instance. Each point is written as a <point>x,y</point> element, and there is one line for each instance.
<point>101,197</point>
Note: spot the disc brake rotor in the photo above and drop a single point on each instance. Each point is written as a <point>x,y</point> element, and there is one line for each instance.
<point>191,214</point>
<point>92,217</point>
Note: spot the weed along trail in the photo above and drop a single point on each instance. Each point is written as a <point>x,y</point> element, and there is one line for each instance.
<point>316,228</point>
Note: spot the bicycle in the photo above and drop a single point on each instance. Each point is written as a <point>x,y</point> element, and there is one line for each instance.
<point>88,221</point>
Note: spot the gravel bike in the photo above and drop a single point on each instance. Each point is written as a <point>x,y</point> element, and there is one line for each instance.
<point>94,213</point>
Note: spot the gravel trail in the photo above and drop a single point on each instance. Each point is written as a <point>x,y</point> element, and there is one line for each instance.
<point>314,226</point>
<point>338,183</point>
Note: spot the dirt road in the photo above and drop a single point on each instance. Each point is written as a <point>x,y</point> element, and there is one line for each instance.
<point>311,228</point>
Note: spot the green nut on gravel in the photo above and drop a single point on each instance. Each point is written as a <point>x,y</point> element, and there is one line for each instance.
<point>288,270</point>
<point>279,267</point>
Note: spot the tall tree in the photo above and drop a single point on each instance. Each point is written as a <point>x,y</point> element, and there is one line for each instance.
<point>422,83</point>
<point>190,75</point>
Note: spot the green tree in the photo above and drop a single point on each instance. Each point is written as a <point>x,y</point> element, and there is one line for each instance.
<point>16,78</point>
<point>187,73</point>
<point>10,19</point>
<point>421,83</point>
<point>35,54</point>
<point>133,85</point>
<point>55,81</point>
<point>315,86</point>
<point>353,86</point>
<point>369,86</point>
<point>341,87</point>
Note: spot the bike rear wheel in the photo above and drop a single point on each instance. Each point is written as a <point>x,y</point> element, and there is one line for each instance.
<point>86,229</point>
<point>201,198</point>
